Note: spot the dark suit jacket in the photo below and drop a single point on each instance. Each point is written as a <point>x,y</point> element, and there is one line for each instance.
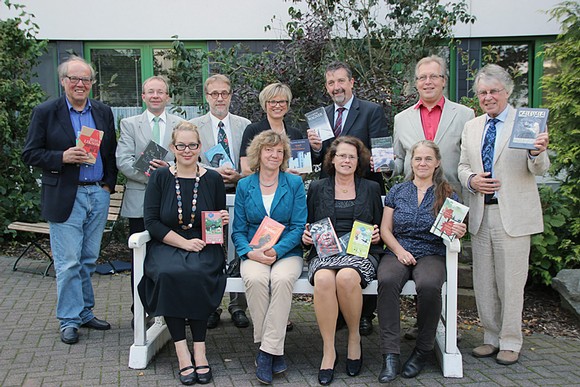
<point>368,207</point>
<point>51,133</point>
<point>365,120</point>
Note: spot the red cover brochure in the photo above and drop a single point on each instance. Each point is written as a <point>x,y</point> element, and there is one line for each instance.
<point>212,230</point>
<point>267,235</point>
<point>90,140</point>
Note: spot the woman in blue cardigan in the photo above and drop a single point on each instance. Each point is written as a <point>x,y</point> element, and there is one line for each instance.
<point>269,274</point>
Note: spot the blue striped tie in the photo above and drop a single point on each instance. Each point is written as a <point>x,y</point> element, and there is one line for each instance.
<point>487,150</point>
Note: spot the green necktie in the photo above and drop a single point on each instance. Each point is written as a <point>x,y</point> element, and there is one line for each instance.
<point>156,133</point>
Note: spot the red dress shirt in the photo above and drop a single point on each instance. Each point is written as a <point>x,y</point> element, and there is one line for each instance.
<point>430,118</point>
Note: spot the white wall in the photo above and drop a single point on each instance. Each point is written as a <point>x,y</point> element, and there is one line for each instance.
<point>240,19</point>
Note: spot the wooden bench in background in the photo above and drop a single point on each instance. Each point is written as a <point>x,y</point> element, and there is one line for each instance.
<point>41,231</point>
<point>147,342</point>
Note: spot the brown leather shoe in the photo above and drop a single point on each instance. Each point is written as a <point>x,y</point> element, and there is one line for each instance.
<point>507,357</point>
<point>485,350</point>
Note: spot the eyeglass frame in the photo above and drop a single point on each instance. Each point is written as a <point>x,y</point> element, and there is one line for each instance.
<point>217,94</point>
<point>432,77</point>
<point>492,92</point>
<point>84,80</point>
<point>344,156</point>
<point>191,146</point>
<point>273,103</point>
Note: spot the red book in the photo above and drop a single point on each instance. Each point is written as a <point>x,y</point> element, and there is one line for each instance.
<point>212,230</point>
<point>90,140</point>
<point>267,235</point>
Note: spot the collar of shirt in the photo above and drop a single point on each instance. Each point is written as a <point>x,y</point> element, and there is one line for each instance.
<point>347,106</point>
<point>87,107</point>
<point>421,104</point>
<point>498,126</point>
<point>430,118</point>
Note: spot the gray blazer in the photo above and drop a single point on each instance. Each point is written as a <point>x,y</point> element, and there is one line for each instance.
<point>238,125</point>
<point>409,130</point>
<point>135,135</point>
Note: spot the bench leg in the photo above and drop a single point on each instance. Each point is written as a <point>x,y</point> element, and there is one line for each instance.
<point>39,247</point>
<point>451,360</point>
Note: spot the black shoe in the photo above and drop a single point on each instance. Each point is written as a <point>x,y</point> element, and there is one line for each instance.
<point>391,368</point>
<point>69,335</point>
<point>188,379</point>
<point>353,367</point>
<point>366,326</point>
<point>240,319</point>
<point>326,376</point>
<point>214,319</point>
<point>203,378</point>
<point>95,323</point>
<point>415,363</point>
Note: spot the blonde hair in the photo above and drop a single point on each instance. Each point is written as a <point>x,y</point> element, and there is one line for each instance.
<point>273,90</point>
<point>184,126</point>
<point>262,140</point>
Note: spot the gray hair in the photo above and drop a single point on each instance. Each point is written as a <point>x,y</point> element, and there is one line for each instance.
<point>493,72</point>
<point>217,78</point>
<point>433,58</point>
<point>63,67</point>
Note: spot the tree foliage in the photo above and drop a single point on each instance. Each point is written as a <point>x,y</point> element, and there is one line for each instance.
<point>19,54</point>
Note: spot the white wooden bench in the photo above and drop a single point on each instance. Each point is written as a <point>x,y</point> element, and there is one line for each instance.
<point>147,342</point>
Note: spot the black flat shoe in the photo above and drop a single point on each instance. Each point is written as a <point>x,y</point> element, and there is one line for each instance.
<point>326,376</point>
<point>214,319</point>
<point>206,377</point>
<point>353,367</point>
<point>95,323</point>
<point>69,335</point>
<point>391,368</point>
<point>188,379</point>
<point>415,364</point>
<point>240,319</point>
<point>365,327</point>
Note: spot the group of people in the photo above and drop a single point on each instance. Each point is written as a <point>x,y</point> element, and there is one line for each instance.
<point>439,146</point>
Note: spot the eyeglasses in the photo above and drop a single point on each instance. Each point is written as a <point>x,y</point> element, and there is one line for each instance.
<point>431,77</point>
<point>281,103</point>
<point>216,94</point>
<point>181,146</point>
<point>86,80</point>
<point>492,92</point>
<point>344,156</point>
<point>153,92</point>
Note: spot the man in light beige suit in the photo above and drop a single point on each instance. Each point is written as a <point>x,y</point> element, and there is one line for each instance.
<point>504,212</point>
<point>218,94</point>
<point>433,118</point>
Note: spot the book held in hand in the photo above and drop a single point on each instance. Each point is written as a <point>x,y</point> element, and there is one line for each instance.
<point>212,231</point>
<point>359,242</point>
<point>451,212</point>
<point>318,120</point>
<point>300,159</point>
<point>383,155</point>
<point>324,238</point>
<point>529,122</point>
<point>152,151</point>
<point>90,140</point>
<point>217,157</point>
<point>267,235</point>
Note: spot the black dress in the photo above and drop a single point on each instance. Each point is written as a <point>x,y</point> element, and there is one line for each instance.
<point>179,283</point>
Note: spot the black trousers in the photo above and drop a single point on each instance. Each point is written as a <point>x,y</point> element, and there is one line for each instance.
<point>429,276</point>
<point>176,327</point>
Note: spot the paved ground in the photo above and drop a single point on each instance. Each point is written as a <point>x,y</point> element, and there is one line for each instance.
<point>31,353</point>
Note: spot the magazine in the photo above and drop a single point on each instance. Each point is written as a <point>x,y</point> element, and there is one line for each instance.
<point>529,122</point>
<point>267,234</point>
<point>300,159</point>
<point>451,212</point>
<point>152,151</point>
<point>90,140</point>
<point>318,120</point>
<point>217,157</point>
<point>324,238</point>
<point>383,155</point>
<point>212,229</point>
<point>359,242</point>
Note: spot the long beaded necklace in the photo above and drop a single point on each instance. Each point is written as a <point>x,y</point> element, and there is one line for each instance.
<point>193,200</point>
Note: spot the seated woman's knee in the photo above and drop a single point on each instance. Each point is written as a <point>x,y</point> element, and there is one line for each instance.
<point>348,279</point>
<point>325,280</point>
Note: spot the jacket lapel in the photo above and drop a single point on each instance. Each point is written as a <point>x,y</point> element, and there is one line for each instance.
<point>416,125</point>
<point>447,116</point>
<point>352,114</point>
<point>505,134</point>
<point>256,195</point>
<point>280,192</point>
<point>64,119</point>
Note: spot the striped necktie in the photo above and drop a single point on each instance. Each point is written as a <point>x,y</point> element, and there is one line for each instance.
<point>338,125</point>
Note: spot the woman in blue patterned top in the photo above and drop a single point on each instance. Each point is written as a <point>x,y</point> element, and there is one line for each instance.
<point>414,253</point>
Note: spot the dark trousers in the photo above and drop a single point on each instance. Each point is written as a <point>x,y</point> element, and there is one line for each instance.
<point>429,276</point>
<point>176,327</point>
<point>135,225</point>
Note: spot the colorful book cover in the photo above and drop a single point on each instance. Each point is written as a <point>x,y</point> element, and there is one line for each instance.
<point>359,242</point>
<point>217,157</point>
<point>451,212</point>
<point>318,120</point>
<point>529,122</point>
<point>267,235</point>
<point>151,152</point>
<point>383,155</point>
<point>300,159</point>
<point>90,140</point>
<point>212,229</point>
<point>324,238</point>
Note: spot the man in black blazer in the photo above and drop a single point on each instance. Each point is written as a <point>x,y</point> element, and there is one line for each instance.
<point>350,116</point>
<point>75,194</point>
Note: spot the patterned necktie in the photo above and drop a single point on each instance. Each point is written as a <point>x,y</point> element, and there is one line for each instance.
<point>223,139</point>
<point>487,150</point>
<point>338,125</point>
<point>156,133</point>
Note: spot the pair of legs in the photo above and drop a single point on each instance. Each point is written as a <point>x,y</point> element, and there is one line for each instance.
<point>336,290</point>
<point>76,245</point>
<point>176,327</point>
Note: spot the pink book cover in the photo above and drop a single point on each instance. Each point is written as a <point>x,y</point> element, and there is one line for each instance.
<point>212,231</point>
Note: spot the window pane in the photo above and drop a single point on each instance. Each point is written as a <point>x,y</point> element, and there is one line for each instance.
<point>118,76</point>
<point>513,58</point>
